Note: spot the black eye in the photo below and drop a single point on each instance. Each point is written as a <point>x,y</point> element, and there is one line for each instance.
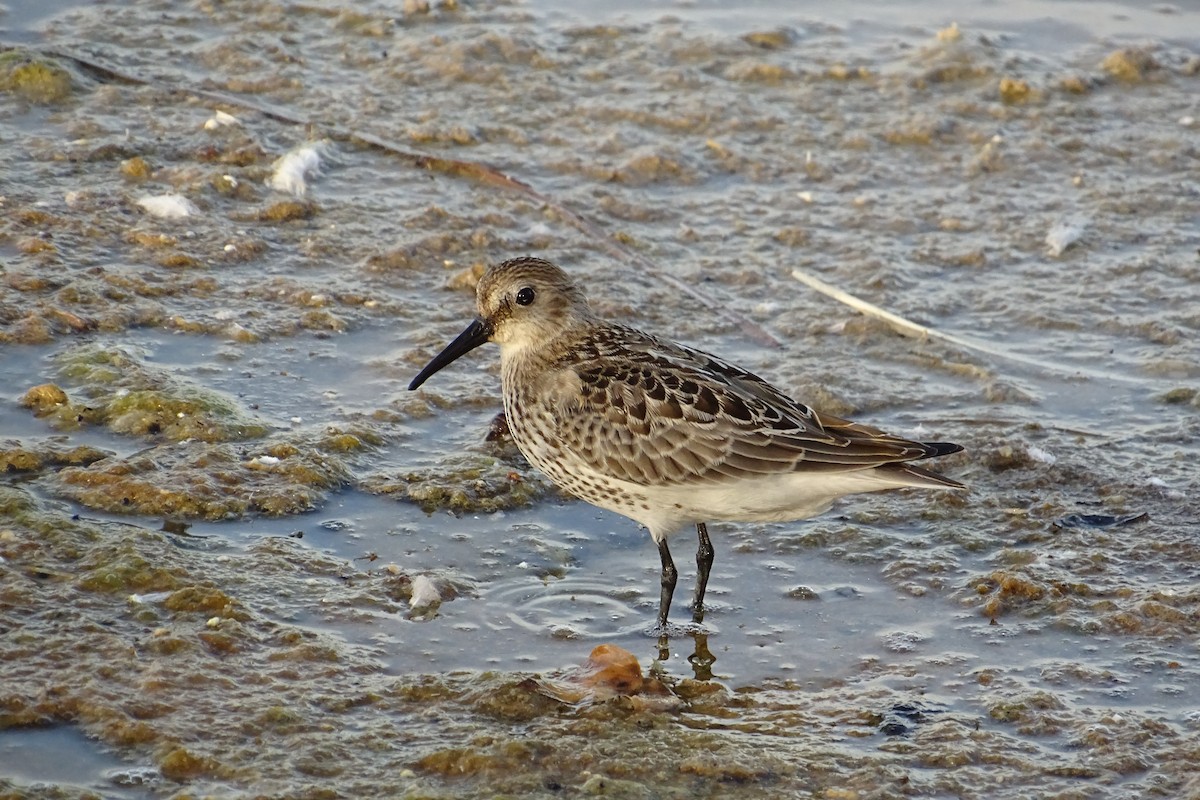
<point>525,296</point>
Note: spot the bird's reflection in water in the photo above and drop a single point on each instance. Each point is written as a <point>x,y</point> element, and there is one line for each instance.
<point>701,658</point>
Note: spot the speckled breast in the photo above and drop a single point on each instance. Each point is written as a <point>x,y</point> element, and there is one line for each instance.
<point>537,433</point>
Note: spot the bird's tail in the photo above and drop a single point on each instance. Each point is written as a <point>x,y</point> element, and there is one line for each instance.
<point>907,474</point>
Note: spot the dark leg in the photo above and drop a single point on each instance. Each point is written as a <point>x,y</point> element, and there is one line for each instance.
<point>704,561</point>
<point>669,576</point>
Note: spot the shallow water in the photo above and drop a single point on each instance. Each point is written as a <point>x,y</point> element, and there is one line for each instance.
<point>62,757</point>
<point>261,642</point>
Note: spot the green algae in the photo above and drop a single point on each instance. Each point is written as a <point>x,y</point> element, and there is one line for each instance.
<point>464,484</point>
<point>175,416</point>
<point>15,504</point>
<point>1130,65</point>
<point>200,600</point>
<point>34,78</point>
<point>38,457</point>
<point>150,689</point>
<point>1025,707</point>
<point>1182,395</point>
<point>207,481</point>
<point>180,764</point>
<point>200,466</point>
<point>131,397</point>
<point>1094,602</point>
<point>119,568</point>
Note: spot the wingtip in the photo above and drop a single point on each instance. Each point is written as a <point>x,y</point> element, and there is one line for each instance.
<point>941,448</point>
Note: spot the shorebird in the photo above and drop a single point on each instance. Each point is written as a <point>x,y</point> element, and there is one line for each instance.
<point>664,434</point>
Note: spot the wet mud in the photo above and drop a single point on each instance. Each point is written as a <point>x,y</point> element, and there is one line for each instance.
<point>238,558</point>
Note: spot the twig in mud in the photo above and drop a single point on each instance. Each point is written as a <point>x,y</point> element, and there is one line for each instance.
<point>455,168</point>
<point>901,325</point>
<point>906,327</point>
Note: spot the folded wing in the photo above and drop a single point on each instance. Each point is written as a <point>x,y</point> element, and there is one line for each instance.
<point>676,415</point>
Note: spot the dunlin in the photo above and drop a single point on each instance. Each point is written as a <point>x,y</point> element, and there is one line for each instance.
<point>662,433</point>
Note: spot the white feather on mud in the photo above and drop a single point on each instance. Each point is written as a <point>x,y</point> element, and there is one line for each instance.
<point>168,206</point>
<point>1038,454</point>
<point>221,120</point>
<point>425,593</point>
<point>1063,235</point>
<point>294,169</point>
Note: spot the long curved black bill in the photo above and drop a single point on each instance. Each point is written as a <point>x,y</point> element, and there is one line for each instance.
<point>476,334</point>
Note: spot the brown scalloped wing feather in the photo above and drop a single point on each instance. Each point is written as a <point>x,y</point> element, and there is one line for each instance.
<point>657,413</point>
